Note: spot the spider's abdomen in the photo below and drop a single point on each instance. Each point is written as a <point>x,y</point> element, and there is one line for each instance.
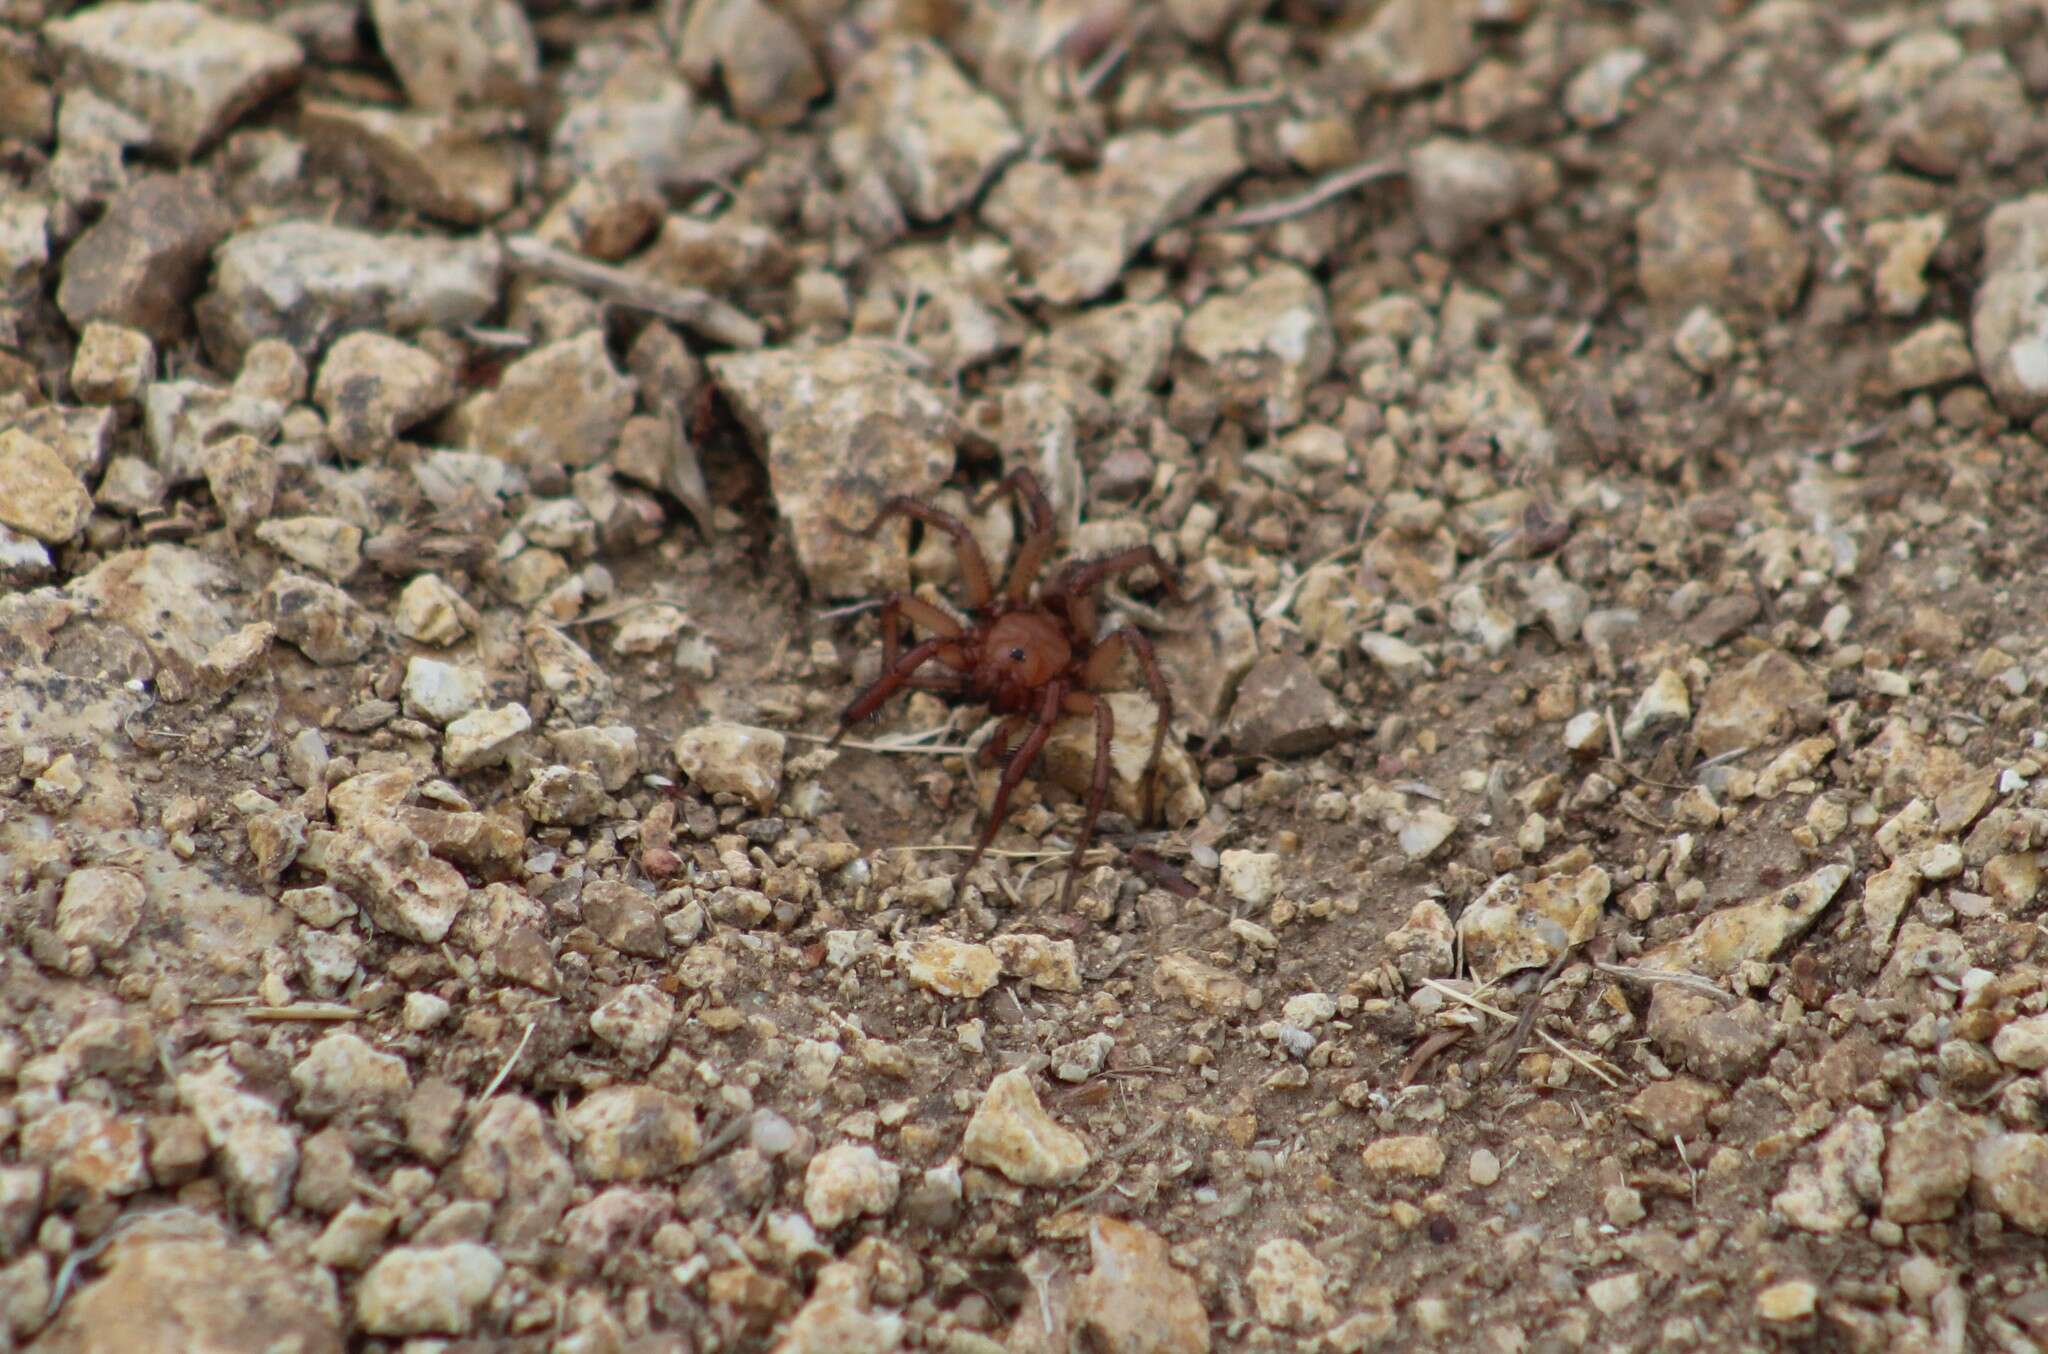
<point>1019,655</point>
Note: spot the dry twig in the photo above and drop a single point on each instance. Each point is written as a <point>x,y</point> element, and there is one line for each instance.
<point>1335,186</point>
<point>686,306</point>
<point>310,1011</point>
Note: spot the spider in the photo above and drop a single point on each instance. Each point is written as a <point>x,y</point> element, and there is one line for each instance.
<point>1029,658</point>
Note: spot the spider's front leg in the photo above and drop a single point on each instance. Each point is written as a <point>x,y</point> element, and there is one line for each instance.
<point>894,678</point>
<point>1020,765</point>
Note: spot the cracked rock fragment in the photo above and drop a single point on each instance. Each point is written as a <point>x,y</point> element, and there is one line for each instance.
<point>1264,346</point>
<point>841,429</point>
<point>1011,1133</point>
<point>937,137</point>
<point>1075,234</point>
<point>140,263</point>
<point>459,53</point>
<point>307,283</point>
<point>187,72</point>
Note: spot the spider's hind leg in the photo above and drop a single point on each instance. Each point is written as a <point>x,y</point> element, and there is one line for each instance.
<point>1080,702</point>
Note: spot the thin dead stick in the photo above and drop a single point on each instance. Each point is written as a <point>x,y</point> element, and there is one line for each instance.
<point>909,315</point>
<point>1650,977</point>
<point>693,309</point>
<point>726,1136</point>
<point>1099,70</point>
<point>1335,186</point>
<point>840,613</point>
<point>613,613</point>
<point>1455,995</point>
<point>320,1011</point>
<point>1426,1052</point>
<point>992,851</point>
<point>1728,756</point>
<point>1233,101</point>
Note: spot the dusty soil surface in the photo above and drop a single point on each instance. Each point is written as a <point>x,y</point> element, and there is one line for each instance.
<point>1595,894</point>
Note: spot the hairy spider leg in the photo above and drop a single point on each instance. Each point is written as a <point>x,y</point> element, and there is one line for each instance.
<point>893,679</point>
<point>1077,585</point>
<point>1020,763</point>
<point>974,574</point>
<point>1101,666</point>
<point>901,606</point>
<point>1038,535</point>
<point>999,743</point>
<point>1081,703</point>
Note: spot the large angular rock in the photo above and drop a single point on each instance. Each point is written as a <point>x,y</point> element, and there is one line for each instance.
<point>430,162</point>
<point>842,428</point>
<point>1710,238</point>
<point>757,53</point>
<point>935,136</point>
<point>258,1154</point>
<point>459,53</point>
<point>1075,234</point>
<point>163,1291</point>
<point>42,497</point>
<point>306,283</point>
<point>387,868</point>
<point>1263,346</point>
<point>171,598</point>
<point>186,71</point>
<point>2009,319</point>
<point>559,406</point>
<point>140,263</point>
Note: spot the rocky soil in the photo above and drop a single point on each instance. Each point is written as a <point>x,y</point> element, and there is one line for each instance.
<point>1597,897</point>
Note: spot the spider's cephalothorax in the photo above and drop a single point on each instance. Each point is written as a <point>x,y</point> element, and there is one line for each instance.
<point>1030,653</point>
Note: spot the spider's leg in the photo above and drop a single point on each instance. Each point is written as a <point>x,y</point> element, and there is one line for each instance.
<point>1079,702</point>
<point>1078,586</point>
<point>903,605</point>
<point>998,746</point>
<point>1038,535</point>
<point>1020,765</point>
<point>1101,666</point>
<point>893,679</point>
<point>974,576</point>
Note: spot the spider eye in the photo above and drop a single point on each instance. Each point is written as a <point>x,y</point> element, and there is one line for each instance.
<point>1016,655</point>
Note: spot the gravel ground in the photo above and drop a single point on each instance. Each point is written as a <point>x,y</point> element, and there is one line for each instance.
<point>1594,893</point>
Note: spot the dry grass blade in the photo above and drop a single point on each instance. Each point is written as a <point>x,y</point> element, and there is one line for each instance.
<point>1455,995</point>
<point>505,1070</point>
<point>1692,982</point>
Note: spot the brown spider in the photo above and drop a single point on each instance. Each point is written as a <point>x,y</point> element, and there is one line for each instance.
<point>1029,658</point>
